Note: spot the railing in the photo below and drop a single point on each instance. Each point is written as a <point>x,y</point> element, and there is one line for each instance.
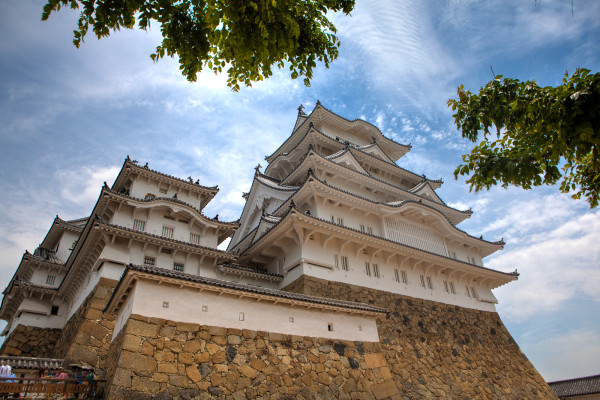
<point>21,388</point>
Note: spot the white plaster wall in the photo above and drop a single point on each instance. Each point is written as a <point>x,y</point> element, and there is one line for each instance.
<point>65,245</point>
<point>334,132</point>
<point>124,312</point>
<point>140,187</point>
<point>37,320</point>
<point>320,263</point>
<point>186,305</point>
<point>40,276</point>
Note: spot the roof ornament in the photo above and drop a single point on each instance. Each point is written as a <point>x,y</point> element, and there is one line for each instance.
<point>374,140</point>
<point>292,204</point>
<point>197,181</point>
<point>318,102</point>
<point>175,196</point>
<point>301,110</point>
<point>311,147</point>
<point>190,179</point>
<point>310,172</point>
<point>481,237</point>
<point>127,158</point>
<point>146,166</point>
<point>105,185</point>
<point>311,125</point>
<point>257,169</point>
<point>134,162</point>
<point>216,218</point>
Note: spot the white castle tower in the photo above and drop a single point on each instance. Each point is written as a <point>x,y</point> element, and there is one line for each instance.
<point>333,204</point>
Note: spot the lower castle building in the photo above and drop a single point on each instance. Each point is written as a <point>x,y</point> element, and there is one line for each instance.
<point>346,277</point>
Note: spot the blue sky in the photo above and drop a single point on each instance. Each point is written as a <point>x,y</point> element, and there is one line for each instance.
<point>68,118</point>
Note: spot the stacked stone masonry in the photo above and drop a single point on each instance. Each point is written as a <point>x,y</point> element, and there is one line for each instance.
<point>438,351</point>
<point>87,335</point>
<point>29,341</point>
<point>155,358</point>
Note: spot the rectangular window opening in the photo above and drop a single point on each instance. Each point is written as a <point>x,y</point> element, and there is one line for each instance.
<point>468,292</point>
<point>446,288</point>
<point>330,327</point>
<point>368,269</point>
<point>422,280</point>
<point>474,292</point>
<point>139,225</point>
<point>194,238</point>
<point>396,276</point>
<point>54,310</point>
<point>178,267</point>
<point>151,261</point>
<point>429,284</point>
<point>344,263</point>
<point>452,288</point>
<point>376,270</point>
<point>404,277</point>
<point>50,279</point>
<point>242,316</point>
<point>167,232</point>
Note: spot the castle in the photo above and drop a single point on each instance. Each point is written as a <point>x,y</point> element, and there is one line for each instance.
<point>346,277</point>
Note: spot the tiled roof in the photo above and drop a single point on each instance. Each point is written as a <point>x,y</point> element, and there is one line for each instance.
<point>243,270</point>
<point>32,363</point>
<point>576,386</point>
<point>329,223</point>
<point>175,241</point>
<point>245,288</point>
<point>189,182</point>
<point>232,224</point>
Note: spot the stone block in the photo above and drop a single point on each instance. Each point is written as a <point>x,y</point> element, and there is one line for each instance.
<point>193,373</point>
<point>248,371</point>
<point>212,348</point>
<point>192,346</point>
<point>187,327</point>
<point>144,385</point>
<point>219,357</point>
<point>167,368</point>
<point>137,362</point>
<point>140,328</point>
<point>131,342</point>
<point>375,360</point>
<point>217,331</point>
<point>122,378</point>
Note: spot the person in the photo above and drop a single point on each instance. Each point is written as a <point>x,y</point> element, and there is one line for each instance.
<point>61,374</point>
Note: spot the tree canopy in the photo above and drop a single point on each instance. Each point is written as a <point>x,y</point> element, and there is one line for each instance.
<point>245,37</point>
<point>543,135</point>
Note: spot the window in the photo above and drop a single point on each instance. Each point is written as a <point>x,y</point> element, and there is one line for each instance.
<point>167,232</point>
<point>429,285</point>
<point>404,277</point>
<point>194,238</point>
<point>336,262</point>
<point>162,190</point>
<point>376,270</point>
<point>54,310</point>
<point>139,225</point>
<point>151,261</point>
<point>50,279</point>
<point>166,251</point>
<point>368,269</point>
<point>340,221</point>
<point>330,327</point>
<point>178,267</point>
<point>345,263</point>
<point>366,229</point>
<point>446,288</point>
<point>396,275</point>
<point>452,288</point>
<point>468,293</point>
<point>422,280</point>
<point>474,292</point>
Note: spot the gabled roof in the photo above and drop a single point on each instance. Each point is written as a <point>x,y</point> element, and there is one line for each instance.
<point>577,386</point>
<point>59,226</point>
<point>348,160</point>
<point>313,157</point>
<point>321,114</point>
<point>132,167</point>
<point>314,183</point>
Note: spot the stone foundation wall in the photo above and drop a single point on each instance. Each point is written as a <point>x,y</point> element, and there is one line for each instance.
<point>87,335</point>
<point>154,358</point>
<point>441,351</point>
<point>30,341</point>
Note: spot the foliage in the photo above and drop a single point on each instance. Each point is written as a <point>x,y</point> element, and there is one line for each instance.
<point>246,37</point>
<point>543,134</point>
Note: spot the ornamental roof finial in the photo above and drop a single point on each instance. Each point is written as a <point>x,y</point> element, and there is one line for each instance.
<point>292,204</point>
<point>257,168</point>
<point>374,140</point>
<point>301,110</point>
<point>318,102</point>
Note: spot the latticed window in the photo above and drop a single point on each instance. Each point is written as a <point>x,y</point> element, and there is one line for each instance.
<point>194,238</point>
<point>344,263</point>
<point>139,225</point>
<point>429,284</point>
<point>50,279</point>
<point>474,292</point>
<point>396,275</point>
<point>149,261</point>
<point>368,269</point>
<point>178,267</point>
<point>422,280</point>
<point>452,288</point>
<point>167,232</point>
<point>446,288</point>
<point>404,277</point>
<point>376,270</point>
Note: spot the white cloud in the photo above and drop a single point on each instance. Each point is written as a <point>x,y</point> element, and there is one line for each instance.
<point>82,186</point>
<point>555,266</point>
<point>571,354</point>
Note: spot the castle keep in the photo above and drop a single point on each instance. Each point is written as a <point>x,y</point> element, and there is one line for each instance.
<point>346,277</point>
